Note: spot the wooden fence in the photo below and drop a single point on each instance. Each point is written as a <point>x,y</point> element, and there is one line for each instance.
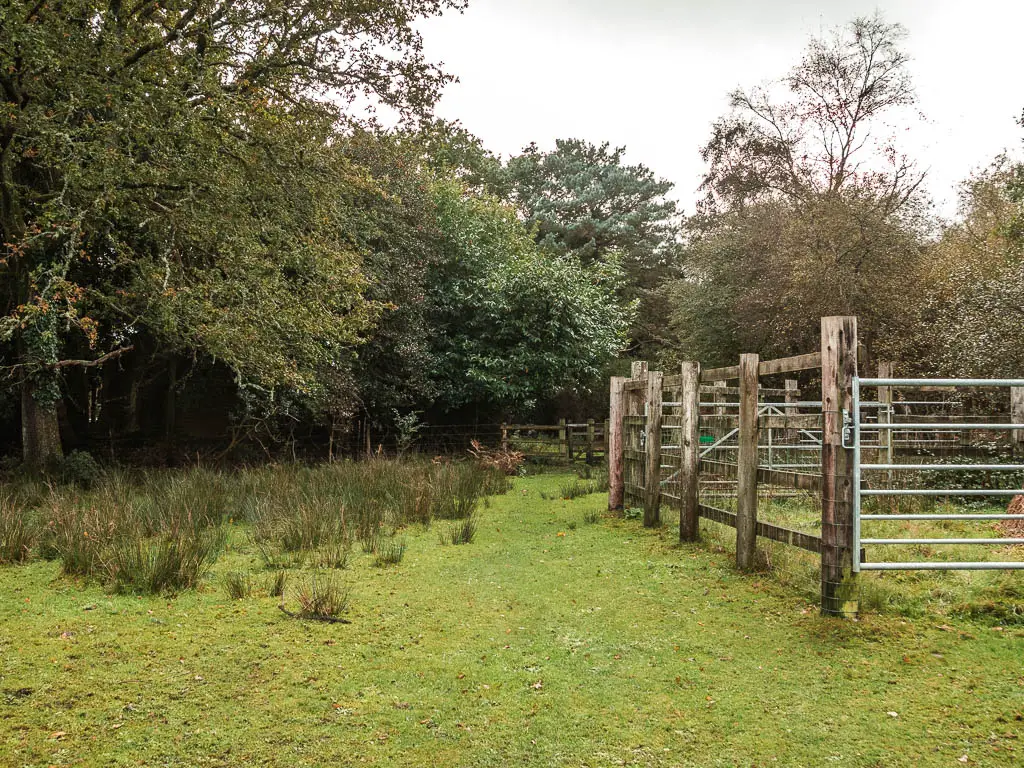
<point>563,442</point>
<point>654,449</point>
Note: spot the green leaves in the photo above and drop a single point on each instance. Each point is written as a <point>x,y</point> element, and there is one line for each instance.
<point>513,323</point>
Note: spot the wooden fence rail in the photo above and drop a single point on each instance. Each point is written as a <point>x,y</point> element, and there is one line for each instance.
<point>564,441</point>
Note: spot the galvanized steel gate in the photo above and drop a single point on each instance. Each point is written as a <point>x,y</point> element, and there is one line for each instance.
<point>854,433</point>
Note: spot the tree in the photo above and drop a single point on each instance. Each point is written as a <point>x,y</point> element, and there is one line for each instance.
<point>511,324</point>
<point>141,149</point>
<point>584,200</point>
<point>831,133</point>
<point>807,213</point>
<point>762,277</point>
<point>970,319</point>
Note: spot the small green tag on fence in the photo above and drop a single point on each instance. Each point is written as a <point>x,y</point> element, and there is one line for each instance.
<point>707,439</point>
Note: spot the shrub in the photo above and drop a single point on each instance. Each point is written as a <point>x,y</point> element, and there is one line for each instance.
<point>274,558</point>
<point>496,482</point>
<point>506,462</point>
<point>78,535</point>
<point>80,468</point>
<point>333,554</point>
<point>238,585</point>
<point>371,541</point>
<point>19,530</point>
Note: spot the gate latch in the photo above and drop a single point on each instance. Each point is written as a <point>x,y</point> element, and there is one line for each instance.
<point>847,430</point>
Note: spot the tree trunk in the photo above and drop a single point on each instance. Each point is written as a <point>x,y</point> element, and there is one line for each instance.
<point>40,432</point>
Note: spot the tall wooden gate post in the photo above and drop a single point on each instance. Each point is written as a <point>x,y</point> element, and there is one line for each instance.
<point>632,438</point>
<point>838,367</point>
<point>652,491</point>
<point>689,444</point>
<point>616,410</point>
<point>746,460</point>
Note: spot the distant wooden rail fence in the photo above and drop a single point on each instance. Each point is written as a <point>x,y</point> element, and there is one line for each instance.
<point>654,449</point>
<point>565,441</point>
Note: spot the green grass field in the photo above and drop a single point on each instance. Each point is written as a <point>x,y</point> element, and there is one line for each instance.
<point>548,641</point>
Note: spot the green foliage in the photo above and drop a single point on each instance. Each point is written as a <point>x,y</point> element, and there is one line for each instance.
<point>276,583</point>
<point>456,490</point>
<point>809,211</point>
<point>80,468</point>
<point>513,324</point>
<point>170,174</point>
<point>583,199</point>
<point>967,319</point>
<point>389,552</point>
<point>761,277</point>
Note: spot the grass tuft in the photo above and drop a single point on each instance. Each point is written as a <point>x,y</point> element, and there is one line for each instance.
<point>19,530</point>
<point>276,583</point>
<point>321,597</point>
<point>389,552</point>
<point>237,585</point>
<point>460,531</point>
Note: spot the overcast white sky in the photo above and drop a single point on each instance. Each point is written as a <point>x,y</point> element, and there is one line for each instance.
<point>653,74</point>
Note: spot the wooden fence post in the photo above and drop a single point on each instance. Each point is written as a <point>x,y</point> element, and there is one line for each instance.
<point>746,470</point>
<point>885,452</point>
<point>719,399</point>
<point>590,441</point>
<point>1017,417</point>
<point>652,480</point>
<point>792,385</point>
<point>563,442</point>
<point>689,446</point>
<point>616,410</point>
<point>633,437</point>
<point>504,437</point>
<point>838,367</point>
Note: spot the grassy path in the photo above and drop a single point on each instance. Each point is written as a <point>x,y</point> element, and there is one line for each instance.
<point>603,646</point>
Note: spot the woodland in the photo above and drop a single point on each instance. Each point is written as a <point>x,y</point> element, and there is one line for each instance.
<point>237,231</point>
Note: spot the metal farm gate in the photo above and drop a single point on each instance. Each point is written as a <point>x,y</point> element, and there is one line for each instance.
<point>872,480</point>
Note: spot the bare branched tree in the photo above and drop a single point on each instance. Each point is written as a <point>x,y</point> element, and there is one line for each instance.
<point>821,130</point>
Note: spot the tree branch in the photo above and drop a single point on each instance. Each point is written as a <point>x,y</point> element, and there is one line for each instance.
<point>94,363</point>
